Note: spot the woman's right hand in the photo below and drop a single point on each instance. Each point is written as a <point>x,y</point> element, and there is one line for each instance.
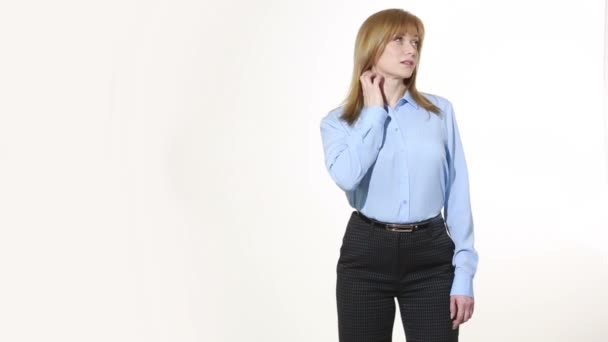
<point>372,92</point>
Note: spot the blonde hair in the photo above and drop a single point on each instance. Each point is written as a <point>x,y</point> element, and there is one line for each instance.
<point>373,36</point>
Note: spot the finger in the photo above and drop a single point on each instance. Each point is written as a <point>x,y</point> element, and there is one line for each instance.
<point>366,76</point>
<point>377,81</point>
<point>375,87</point>
<point>366,85</point>
<point>455,324</point>
<point>370,78</point>
<point>467,311</point>
<point>452,307</point>
<point>460,314</point>
<point>467,315</point>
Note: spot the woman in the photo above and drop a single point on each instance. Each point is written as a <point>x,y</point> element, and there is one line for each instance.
<point>397,154</point>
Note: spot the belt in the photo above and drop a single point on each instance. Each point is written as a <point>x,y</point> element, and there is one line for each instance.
<point>398,227</point>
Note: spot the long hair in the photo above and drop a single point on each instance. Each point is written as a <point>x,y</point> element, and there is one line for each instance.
<point>373,36</point>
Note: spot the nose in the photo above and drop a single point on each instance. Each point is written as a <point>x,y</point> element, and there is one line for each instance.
<point>410,50</point>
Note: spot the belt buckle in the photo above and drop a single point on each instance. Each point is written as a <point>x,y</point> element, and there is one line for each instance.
<point>400,228</point>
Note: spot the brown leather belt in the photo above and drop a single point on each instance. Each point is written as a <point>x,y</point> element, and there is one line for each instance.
<point>399,227</point>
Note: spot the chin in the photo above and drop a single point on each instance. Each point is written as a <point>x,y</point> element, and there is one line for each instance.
<point>401,74</point>
<point>406,76</point>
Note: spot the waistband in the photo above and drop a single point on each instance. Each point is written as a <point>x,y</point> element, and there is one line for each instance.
<point>401,227</point>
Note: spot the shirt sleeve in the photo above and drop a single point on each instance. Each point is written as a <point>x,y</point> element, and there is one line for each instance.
<point>349,152</point>
<point>457,211</point>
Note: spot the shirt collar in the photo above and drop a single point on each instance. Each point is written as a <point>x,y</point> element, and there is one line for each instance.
<point>407,97</point>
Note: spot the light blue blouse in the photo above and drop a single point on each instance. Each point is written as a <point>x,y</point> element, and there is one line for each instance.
<point>404,165</point>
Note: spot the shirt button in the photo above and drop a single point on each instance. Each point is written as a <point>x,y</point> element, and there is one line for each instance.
<point>396,129</point>
<point>404,201</point>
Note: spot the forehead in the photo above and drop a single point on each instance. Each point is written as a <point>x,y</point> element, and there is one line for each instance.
<point>405,29</point>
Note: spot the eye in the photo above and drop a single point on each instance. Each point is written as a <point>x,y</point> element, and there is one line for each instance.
<point>415,42</point>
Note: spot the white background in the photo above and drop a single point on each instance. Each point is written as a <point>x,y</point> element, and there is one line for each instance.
<point>162,175</point>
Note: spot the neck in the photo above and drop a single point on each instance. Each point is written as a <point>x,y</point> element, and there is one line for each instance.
<point>394,88</point>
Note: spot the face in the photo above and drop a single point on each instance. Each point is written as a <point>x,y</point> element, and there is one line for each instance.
<point>399,58</point>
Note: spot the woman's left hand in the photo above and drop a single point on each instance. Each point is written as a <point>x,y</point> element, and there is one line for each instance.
<point>461,309</point>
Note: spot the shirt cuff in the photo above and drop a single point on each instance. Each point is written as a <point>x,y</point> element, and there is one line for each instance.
<point>462,285</point>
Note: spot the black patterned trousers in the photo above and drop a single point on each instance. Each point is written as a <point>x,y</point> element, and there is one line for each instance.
<point>377,265</point>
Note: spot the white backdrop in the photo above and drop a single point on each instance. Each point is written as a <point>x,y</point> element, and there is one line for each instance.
<point>162,175</point>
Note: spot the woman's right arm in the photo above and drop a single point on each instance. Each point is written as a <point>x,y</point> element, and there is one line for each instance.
<point>349,153</point>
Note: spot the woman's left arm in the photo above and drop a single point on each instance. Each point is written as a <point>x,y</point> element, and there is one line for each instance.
<point>457,210</point>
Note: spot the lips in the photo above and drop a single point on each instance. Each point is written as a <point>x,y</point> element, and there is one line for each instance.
<point>408,62</point>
